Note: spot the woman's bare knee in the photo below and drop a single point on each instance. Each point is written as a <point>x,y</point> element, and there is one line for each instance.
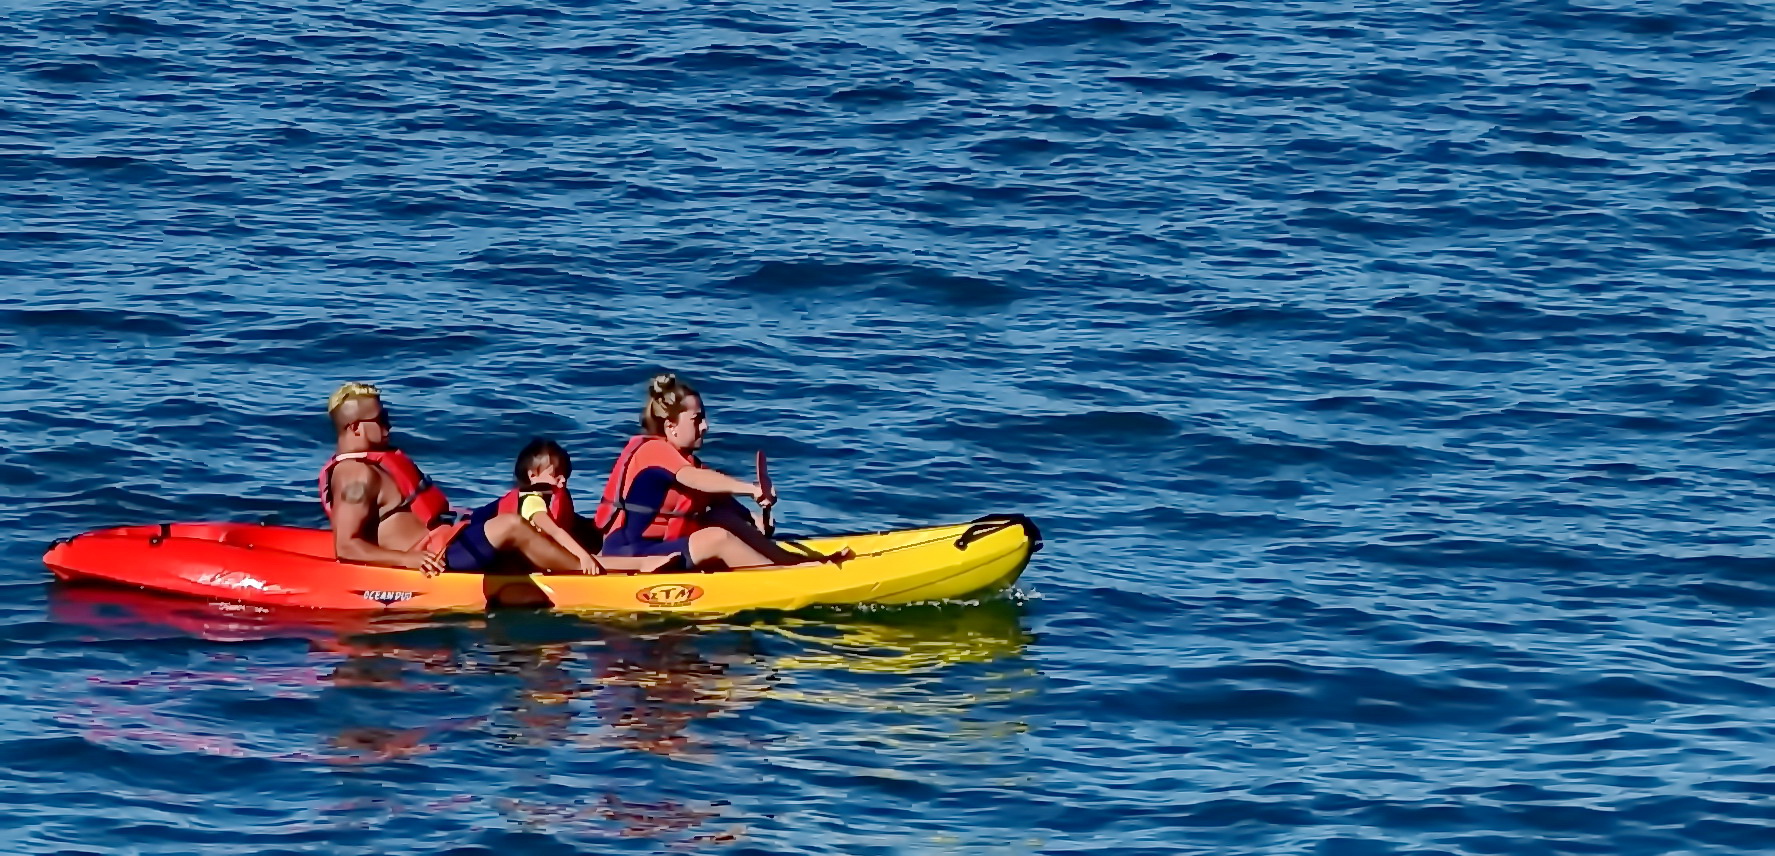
<point>706,544</point>
<point>727,547</point>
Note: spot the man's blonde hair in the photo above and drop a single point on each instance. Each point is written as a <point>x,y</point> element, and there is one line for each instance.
<point>350,390</point>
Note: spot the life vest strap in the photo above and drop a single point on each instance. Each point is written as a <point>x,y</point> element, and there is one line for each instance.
<point>620,505</point>
<point>408,500</point>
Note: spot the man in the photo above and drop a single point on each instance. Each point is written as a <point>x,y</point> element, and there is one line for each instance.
<point>384,511</point>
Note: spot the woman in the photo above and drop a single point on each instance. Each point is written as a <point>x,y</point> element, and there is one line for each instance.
<point>660,500</point>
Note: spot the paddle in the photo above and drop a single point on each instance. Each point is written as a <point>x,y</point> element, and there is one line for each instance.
<point>764,487</point>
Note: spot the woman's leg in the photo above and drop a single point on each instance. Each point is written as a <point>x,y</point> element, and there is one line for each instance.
<point>728,514</point>
<point>717,544</point>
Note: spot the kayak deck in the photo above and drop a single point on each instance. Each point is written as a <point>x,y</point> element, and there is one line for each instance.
<point>289,566</point>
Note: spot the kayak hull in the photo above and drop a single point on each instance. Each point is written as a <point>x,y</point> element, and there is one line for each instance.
<point>288,566</point>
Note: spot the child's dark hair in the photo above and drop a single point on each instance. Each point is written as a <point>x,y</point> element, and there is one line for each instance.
<point>537,452</point>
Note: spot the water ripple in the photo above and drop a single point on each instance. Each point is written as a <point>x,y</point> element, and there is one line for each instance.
<point>1386,381</point>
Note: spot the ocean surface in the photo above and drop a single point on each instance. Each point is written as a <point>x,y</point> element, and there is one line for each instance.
<point>1392,383</point>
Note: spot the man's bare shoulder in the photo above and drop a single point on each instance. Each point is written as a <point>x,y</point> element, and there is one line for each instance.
<point>355,481</point>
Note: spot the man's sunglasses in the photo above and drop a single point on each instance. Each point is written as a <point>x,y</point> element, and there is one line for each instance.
<point>380,419</point>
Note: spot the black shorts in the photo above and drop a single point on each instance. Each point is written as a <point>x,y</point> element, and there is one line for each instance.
<point>470,550</point>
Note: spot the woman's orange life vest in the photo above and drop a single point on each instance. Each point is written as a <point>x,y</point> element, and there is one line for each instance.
<point>418,494</point>
<point>676,516</point>
<point>560,502</point>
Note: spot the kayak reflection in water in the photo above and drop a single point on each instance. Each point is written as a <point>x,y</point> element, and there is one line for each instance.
<point>661,500</point>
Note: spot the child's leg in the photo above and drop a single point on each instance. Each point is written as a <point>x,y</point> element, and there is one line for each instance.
<point>511,532</point>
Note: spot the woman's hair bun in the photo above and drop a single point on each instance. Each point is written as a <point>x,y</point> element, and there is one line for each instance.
<point>666,398</point>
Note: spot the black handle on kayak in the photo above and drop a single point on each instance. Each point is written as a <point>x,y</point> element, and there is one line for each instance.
<point>997,523</point>
<point>166,531</point>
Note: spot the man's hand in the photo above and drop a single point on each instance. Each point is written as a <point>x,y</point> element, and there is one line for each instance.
<point>433,564</point>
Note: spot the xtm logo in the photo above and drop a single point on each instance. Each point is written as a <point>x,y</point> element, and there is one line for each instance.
<point>670,594</point>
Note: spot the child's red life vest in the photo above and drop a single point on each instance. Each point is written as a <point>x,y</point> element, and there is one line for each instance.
<point>560,503</point>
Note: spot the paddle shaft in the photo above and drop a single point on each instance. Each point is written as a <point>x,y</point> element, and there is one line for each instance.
<point>764,487</point>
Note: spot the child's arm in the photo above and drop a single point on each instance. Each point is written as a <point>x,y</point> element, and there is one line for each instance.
<point>548,526</point>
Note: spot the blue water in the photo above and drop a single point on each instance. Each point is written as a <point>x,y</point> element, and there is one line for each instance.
<point>1391,381</point>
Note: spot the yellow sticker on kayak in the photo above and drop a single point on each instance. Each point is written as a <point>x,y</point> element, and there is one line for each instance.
<point>670,594</point>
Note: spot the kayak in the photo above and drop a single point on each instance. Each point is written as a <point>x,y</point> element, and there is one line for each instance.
<point>290,566</point>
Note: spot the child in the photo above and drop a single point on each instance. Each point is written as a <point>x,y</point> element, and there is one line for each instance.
<point>539,495</point>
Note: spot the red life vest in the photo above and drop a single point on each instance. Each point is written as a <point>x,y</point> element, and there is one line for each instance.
<point>418,494</point>
<point>560,503</point>
<point>678,512</point>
